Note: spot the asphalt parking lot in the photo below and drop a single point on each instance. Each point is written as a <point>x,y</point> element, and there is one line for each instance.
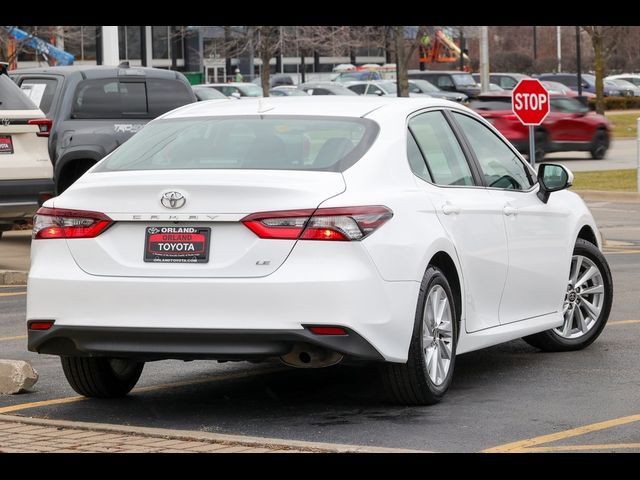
<point>507,398</point>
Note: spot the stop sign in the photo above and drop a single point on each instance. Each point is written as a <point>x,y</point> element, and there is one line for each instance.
<point>530,101</point>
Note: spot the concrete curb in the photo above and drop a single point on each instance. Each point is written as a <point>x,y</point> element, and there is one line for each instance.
<point>13,277</point>
<point>607,196</point>
<point>231,440</point>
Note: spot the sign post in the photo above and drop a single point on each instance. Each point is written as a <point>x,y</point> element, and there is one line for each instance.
<point>530,103</point>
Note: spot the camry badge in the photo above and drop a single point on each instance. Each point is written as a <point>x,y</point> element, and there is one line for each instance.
<point>173,200</point>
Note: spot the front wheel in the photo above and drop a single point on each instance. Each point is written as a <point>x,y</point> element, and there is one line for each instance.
<point>586,305</point>
<point>426,376</point>
<point>101,377</point>
<point>599,145</point>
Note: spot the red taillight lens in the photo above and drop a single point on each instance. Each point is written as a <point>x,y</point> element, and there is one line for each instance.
<point>44,124</point>
<point>41,325</point>
<point>64,223</point>
<point>342,224</point>
<point>328,330</point>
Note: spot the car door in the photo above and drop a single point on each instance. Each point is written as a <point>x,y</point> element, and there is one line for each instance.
<point>470,215</point>
<point>538,234</point>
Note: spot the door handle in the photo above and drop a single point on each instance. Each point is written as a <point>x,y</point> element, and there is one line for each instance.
<point>509,210</point>
<point>448,209</point>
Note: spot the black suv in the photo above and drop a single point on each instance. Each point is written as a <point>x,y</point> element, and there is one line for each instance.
<point>449,81</point>
<point>95,109</point>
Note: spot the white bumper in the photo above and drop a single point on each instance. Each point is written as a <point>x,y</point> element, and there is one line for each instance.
<point>321,283</point>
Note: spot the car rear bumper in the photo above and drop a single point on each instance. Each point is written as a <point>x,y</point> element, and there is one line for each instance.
<point>321,283</point>
<point>148,344</point>
<point>19,199</point>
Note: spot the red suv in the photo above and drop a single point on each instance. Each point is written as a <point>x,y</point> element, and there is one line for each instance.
<point>570,126</point>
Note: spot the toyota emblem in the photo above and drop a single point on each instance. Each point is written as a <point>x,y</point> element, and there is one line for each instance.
<point>173,200</point>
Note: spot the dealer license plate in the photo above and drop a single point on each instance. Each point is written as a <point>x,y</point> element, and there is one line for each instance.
<point>6,144</point>
<point>177,244</point>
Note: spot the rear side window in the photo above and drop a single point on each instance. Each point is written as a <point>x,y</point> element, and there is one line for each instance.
<point>110,98</point>
<point>11,98</point>
<point>41,91</point>
<point>246,142</point>
<point>441,149</point>
<point>165,95</point>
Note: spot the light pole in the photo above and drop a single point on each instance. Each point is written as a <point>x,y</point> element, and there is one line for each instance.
<point>559,42</point>
<point>484,59</point>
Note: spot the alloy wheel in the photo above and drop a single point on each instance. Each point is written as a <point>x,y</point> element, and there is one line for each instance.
<point>437,334</point>
<point>584,298</point>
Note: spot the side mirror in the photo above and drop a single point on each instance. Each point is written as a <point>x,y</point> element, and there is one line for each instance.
<point>236,95</point>
<point>379,93</point>
<point>553,178</point>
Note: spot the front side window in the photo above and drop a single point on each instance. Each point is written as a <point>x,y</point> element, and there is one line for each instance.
<point>500,166</point>
<point>441,150</point>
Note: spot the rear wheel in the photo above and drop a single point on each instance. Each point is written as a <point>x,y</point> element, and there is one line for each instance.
<point>599,145</point>
<point>426,376</point>
<point>586,306</point>
<point>101,377</point>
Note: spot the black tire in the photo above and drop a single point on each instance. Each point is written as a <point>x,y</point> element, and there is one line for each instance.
<point>541,145</point>
<point>409,383</point>
<point>550,340</point>
<point>101,377</point>
<point>599,145</point>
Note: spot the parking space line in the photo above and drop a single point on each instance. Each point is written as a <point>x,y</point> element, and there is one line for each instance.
<point>13,286</point>
<point>623,322</point>
<point>17,337</point>
<point>150,388</point>
<point>522,445</point>
<point>582,448</point>
<point>12,294</point>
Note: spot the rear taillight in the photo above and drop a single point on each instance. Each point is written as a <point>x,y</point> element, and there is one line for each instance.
<point>341,224</point>
<point>44,125</point>
<point>63,223</point>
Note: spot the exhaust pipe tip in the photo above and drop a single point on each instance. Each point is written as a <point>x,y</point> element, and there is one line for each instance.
<point>309,356</point>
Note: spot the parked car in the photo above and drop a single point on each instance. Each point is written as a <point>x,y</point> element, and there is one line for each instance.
<point>275,80</point>
<point>286,91</point>
<point>206,93</point>
<point>629,77</point>
<point>26,174</point>
<point>588,83</point>
<point>358,76</point>
<point>450,81</point>
<point>325,88</point>
<point>629,88</point>
<point>427,88</point>
<point>381,88</point>
<point>506,81</point>
<point>206,237</point>
<point>95,109</point>
<point>570,126</point>
<point>236,89</point>
<point>559,88</point>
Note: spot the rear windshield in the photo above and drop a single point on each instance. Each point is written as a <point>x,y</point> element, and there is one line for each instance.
<point>12,98</point>
<point>246,142</point>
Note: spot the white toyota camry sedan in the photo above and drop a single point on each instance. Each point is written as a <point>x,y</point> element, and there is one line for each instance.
<point>313,231</point>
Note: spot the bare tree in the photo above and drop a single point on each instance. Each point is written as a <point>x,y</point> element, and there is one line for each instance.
<point>604,40</point>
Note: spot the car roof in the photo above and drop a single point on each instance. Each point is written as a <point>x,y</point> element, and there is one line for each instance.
<point>99,71</point>
<point>440,71</point>
<point>230,84</point>
<point>338,106</point>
